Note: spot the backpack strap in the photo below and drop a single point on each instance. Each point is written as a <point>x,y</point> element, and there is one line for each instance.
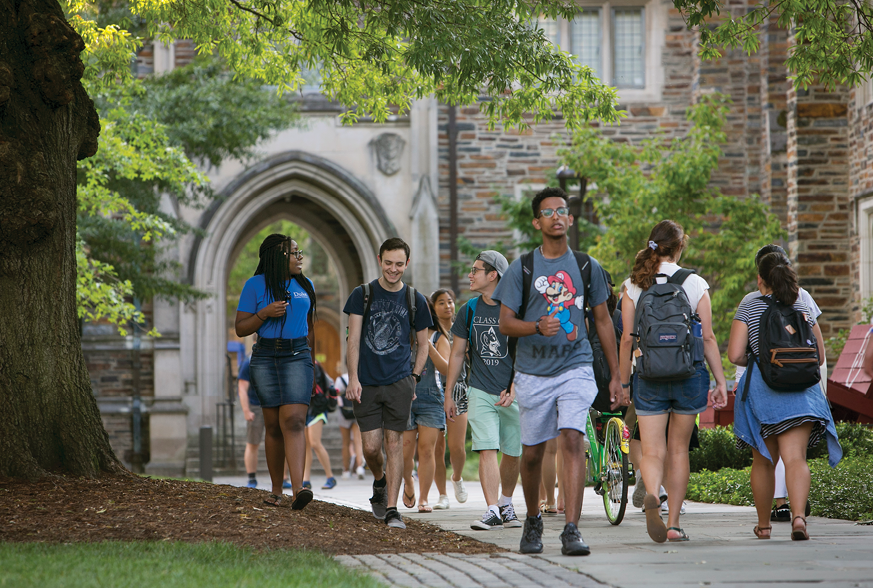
<point>583,260</point>
<point>410,303</point>
<point>367,290</point>
<point>680,276</point>
<point>751,364</point>
<point>471,312</point>
<point>526,279</point>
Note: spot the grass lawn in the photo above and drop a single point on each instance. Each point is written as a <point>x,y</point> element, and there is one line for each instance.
<point>169,565</point>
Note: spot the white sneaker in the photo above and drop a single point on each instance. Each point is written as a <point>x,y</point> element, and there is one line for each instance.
<point>347,475</point>
<point>666,509</point>
<point>460,491</point>
<point>360,472</point>
<point>442,503</point>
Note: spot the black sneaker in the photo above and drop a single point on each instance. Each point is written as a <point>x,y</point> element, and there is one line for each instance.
<point>510,520</point>
<point>781,513</point>
<point>394,520</point>
<point>379,502</point>
<point>532,536</point>
<point>489,522</point>
<point>571,541</point>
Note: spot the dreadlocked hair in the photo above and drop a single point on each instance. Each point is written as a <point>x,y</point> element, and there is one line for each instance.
<point>273,263</point>
<point>667,239</point>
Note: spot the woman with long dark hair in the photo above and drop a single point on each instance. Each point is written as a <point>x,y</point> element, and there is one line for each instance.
<point>427,419</point>
<point>278,303</point>
<point>676,402</point>
<point>777,423</point>
<point>456,429</point>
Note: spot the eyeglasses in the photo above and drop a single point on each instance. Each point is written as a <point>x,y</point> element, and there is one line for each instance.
<point>474,270</point>
<point>298,254</point>
<point>548,212</point>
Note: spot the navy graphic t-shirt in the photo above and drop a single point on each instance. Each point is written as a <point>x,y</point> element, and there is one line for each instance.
<point>244,376</point>
<point>491,366</point>
<point>385,349</point>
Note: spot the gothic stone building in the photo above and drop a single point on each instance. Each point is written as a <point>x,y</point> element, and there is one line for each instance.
<point>809,153</point>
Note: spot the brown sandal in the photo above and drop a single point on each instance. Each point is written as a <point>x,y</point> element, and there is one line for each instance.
<point>799,534</point>
<point>654,525</point>
<point>759,532</point>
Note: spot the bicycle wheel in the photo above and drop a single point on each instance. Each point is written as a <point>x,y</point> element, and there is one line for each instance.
<point>613,467</point>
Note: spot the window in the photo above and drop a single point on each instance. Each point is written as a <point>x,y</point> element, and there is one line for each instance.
<point>586,39</point>
<point>550,30</point>
<point>627,54</point>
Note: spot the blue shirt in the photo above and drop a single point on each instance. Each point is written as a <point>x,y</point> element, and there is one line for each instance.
<point>244,376</point>
<point>385,353</point>
<point>556,285</point>
<point>255,297</point>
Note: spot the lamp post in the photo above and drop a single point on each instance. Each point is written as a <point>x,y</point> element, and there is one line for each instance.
<point>575,203</point>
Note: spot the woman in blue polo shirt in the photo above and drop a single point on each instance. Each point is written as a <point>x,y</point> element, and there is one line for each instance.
<point>278,303</point>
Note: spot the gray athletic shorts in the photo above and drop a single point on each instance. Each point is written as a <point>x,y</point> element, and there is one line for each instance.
<point>548,404</point>
<point>255,428</point>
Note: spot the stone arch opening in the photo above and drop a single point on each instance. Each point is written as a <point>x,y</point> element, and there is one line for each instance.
<point>332,205</point>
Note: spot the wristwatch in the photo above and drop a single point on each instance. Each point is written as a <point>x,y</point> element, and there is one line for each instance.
<point>417,378</point>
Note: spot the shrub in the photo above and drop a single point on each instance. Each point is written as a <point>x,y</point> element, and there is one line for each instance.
<point>855,439</point>
<point>844,492</point>
<point>718,449</point>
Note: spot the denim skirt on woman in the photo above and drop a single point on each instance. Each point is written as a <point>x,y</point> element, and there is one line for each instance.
<point>281,371</point>
<point>686,396</point>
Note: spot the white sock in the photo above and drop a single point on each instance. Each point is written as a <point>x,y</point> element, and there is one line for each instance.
<point>493,508</point>
<point>504,500</point>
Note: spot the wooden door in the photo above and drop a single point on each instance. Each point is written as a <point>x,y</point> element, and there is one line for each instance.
<point>327,348</point>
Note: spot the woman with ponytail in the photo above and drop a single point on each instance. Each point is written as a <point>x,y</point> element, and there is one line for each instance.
<point>676,402</point>
<point>777,423</point>
<point>278,303</point>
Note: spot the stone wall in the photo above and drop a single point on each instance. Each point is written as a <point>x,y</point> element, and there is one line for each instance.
<point>819,223</point>
<point>860,182</point>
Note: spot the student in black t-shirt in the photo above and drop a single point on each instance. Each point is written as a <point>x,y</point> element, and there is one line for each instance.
<point>381,377</point>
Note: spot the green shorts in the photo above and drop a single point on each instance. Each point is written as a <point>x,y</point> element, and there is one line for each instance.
<point>494,427</point>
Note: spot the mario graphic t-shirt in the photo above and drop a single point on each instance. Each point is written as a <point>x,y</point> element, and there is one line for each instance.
<point>556,288</point>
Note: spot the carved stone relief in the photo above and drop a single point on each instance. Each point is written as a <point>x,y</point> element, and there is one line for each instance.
<point>387,148</point>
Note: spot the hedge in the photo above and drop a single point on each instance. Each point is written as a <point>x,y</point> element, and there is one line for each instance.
<point>844,492</point>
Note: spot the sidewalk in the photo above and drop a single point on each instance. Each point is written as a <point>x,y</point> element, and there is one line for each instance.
<point>722,552</point>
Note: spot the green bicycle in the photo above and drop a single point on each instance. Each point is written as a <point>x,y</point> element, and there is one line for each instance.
<point>608,465</point>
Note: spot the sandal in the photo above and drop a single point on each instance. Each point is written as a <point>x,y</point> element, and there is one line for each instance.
<point>411,502</point>
<point>654,525</point>
<point>683,536</point>
<point>424,507</point>
<point>275,500</point>
<point>799,534</point>
<point>548,509</point>
<point>301,499</point>
<point>759,532</point>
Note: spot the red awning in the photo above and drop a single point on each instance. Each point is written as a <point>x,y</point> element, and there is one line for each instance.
<point>849,386</point>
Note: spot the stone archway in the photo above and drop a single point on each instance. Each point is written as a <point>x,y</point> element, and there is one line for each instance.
<point>313,192</point>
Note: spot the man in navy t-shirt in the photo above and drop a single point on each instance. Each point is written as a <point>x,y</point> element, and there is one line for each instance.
<point>381,375</point>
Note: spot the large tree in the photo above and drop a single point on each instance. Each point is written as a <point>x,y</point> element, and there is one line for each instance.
<point>375,57</point>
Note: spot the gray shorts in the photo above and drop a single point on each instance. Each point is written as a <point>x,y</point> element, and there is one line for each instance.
<point>548,404</point>
<point>255,428</point>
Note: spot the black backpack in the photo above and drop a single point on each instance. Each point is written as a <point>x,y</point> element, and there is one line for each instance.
<point>602,374</point>
<point>787,350</point>
<point>664,334</point>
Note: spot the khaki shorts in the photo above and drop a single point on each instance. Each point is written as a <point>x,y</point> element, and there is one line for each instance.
<point>255,428</point>
<point>385,407</point>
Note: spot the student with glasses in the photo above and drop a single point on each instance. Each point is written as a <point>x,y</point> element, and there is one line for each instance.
<point>554,377</point>
<point>278,303</point>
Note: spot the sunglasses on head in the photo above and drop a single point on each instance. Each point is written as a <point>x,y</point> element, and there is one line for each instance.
<point>561,210</point>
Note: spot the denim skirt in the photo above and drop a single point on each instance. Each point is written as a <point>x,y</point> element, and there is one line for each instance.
<point>281,371</point>
<point>687,396</point>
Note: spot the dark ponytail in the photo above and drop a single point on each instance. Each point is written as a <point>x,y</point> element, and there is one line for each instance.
<point>779,277</point>
<point>667,239</point>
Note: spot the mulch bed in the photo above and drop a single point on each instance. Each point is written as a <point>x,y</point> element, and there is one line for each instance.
<point>132,508</point>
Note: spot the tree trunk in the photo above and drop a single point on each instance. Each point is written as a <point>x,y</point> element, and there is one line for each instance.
<point>49,421</point>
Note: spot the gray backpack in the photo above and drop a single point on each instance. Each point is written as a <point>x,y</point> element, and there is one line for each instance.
<point>664,333</point>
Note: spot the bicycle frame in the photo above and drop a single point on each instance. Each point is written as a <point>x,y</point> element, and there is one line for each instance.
<point>595,451</point>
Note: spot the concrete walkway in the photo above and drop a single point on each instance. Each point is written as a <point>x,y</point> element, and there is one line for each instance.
<point>722,552</point>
